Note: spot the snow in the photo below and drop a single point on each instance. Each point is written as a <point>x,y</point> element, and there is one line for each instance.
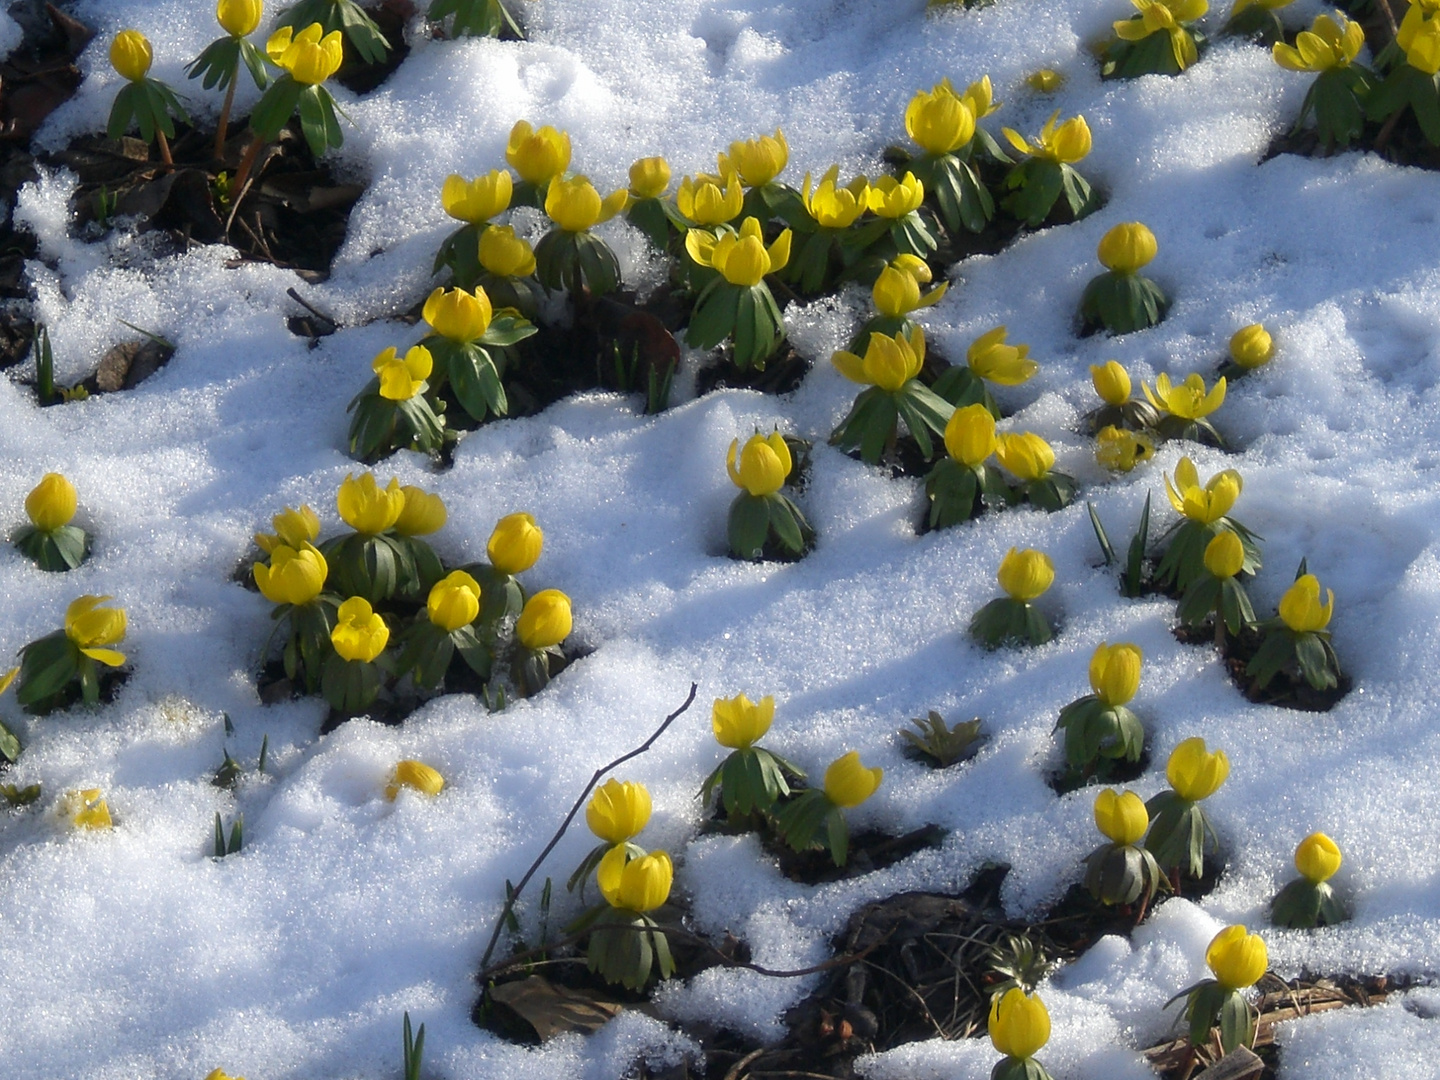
<point>134,953</point>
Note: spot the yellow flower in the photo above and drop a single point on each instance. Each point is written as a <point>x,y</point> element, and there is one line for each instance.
<point>1317,857</point>
<point>979,98</point>
<point>739,723</point>
<point>849,783</point>
<point>889,362</point>
<point>423,512</point>
<point>239,18</point>
<point>504,254</point>
<point>1167,16</point>
<point>293,528</point>
<point>575,205</point>
<point>710,200</point>
<point>1025,454</point>
<point>52,503</point>
<point>1419,37</point>
<point>1024,575</point>
<point>1327,44</point>
<point>1115,672</point>
<point>131,55</point>
<point>86,809</point>
<point>366,507</point>
<point>90,626</point>
<point>892,199</point>
<point>1122,817</point>
<point>1019,1023</point>
<point>401,379</point>
<point>1046,80</point>
<point>307,56</point>
<point>618,811</point>
<point>1237,958</point>
<point>1205,505</point>
<point>757,161</point>
<point>833,206</point>
<point>477,200</point>
<point>454,601</point>
<point>415,775</point>
<point>1251,346</point>
<point>360,633</point>
<point>649,177</point>
<point>1194,772</point>
<point>638,885</point>
<point>1188,400</point>
<point>457,315</point>
<point>742,257</point>
<point>1121,450</point>
<point>897,290</point>
<point>1300,607</point>
<point>221,1074</point>
<point>545,620</point>
<point>1127,247</point>
<point>970,435</point>
<point>763,466</point>
<point>294,576</point>
<point>990,358</point>
<point>538,156</point>
<point>1111,381</point>
<point>1224,554</point>
<point>938,120</point>
<point>1068,143</point>
<point>515,543</point>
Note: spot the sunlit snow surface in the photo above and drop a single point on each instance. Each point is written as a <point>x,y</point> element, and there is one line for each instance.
<point>132,953</point>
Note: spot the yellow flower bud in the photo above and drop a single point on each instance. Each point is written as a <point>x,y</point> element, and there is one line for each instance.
<point>1025,454</point>
<point>538,156</point>
<point>1115,672</point>
<point>293,576</point>
<point>1188,400</point>
<point>401,378</point>
<point>1112,382</point>
<point>1046,80</point>
<point>504,254</point>
<point>86,809</point>
<point>545,620</point>
<point>833,206</point>
<point>457,315</point>
<point>1024,575</point>
<point>360,633</point>
<point>970,435</point>
<point>710,200</point>
<point>1194,772</point>
<point>366,507</point>
<point>764,463</point>
<point>52,503</point>
<point>415,775</point>
<point>308,57</point>
<point>454,601</point>
<point>1127,247</point>
<point>574,205</point>
<point>757,161</point>
<point>91,627</point>
<point>1237,958</point>
<point>849,783</point>
<point>889,362</point>
<point>1122,817</point>
<point>639,885</point>
<point>1019,1023</point>
<point>131,55</point>
<point>477,200</point>
<point>896,291</point>
<point>649,177</point>
<point>1300,607</point>
<point>1205,505</point>
<point>739,723</point>
<point>295,527</point>
<point>221,1074</point>
<point>423,513</point>
<point>239,18</point>
<point>1224,554</point>
<point>938,120</point>
<point>891,198</point>
<point>1317,857</point>
<point>515,543</point>
<point>991,359</point>
<point>1121,450</point>
<point>1068,143</point>
<point>1251,346</point>
<point>618,811</point>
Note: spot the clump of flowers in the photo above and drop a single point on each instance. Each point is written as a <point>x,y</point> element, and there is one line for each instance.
<point>617,813</point>
<point>1204,514</point>
<point>1099,729</point>
<point>469,344</point>
<point>50,541</point>
<point>1185,407</point>
<point>474,203</point>
<point>890,368</point>
<point>989,359</point>
<point>308,59</point>
<point>1160,40</point>
<point>1296,641</point>
<point>1122,872</point>
<point>897,295</point>
<point>751,779</point>
<point>1047,172</point>
<point>54,667</point>
<point>1019,1026</point>
<point>392,411</point>
<point>218,65</point>
<point>1118,409</point>
<point>801,821</point>
<point>1122,300</point>
<point>943,124</point>
<point>1237,959</point>
<point>384,556</point>
<point>1338,95</point>
<point>963,482</point>
<point>448,629</point>
<point>335,17</point>
<point>761,516</point>
<point>1179,829</point>
<point>1014,619</point>
<point>734,301</point>
<point>1030,460</point>
<point>830,211</point>
<point>569,256</point>
<point>146,101</point>
<point>1218,592</point>
<point>1309,900</point>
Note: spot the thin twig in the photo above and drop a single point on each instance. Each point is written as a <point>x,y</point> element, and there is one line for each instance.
<point>310,308</point>
<point>560,832</point>
<point>739,1066</point>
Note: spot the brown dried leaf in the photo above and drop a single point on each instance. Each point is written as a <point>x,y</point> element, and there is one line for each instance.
<point>554,1010</point>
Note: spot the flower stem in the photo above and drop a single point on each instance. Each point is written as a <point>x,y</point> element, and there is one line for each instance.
<point>164,145</point>
<point>222,129</point>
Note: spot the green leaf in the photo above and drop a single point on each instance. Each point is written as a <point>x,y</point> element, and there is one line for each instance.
<point>952,489</point>
<point>475,382</point>
<point>715,315</point>
<point>122,110</point>
<point>275,107</point>
<point>785,523</point>
<point>749,526</point>
<point>47,666</point>
<point>1101,537</point>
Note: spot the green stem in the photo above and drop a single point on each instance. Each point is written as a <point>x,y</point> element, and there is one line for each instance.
<point>222,129</point>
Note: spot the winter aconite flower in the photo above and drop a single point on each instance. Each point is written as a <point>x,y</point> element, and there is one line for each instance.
<point>1115,672</point>
<point>891,198</point>
<point>1327,44</point>
<point>479,200</point>
<point>1165,16</point>
<point>51,503</point>
<point>1224,554</point>
<point>1045,81</point>
<point>239,18</point>
<point>938,120</point>
<point>618,810</point>
<point>1300,607</point>
<point>457,315</point>
<point>1120,449</point>
<point>131,55</point>
<point>91,627</point>
<point>537,155</point>
<point>576,206</point>
<point>970,435</point>
<point>415,775</point>
<point>1251,346</point>
<point>1111,382</point>
<point>896,291</point>
<point>1203,505</point>
<point>1026,574</point>
<point>545,621</point>
<point>889,362</point>
<point>757,161</point>
<point>992,359</point>
<point>1019,1023</point>
<point>86,809</point>
<point>360,633</point>
<point>1121,816</point>
<point>293,528</point>
<point>833,206</point>
<point>1068,143</point>
<point>1237,957</point>
<point>848,782</point>
<point>423,513</point>
<point>1127,247</point>
<point>762,465</point>
<point>742,258</point>
<point>310,57</point>
<point>739,722</point>
<point>1188,400</point>
<point>515,543</point>
<point>649,177</point>
<point>1195,773</point>
<point>637,885</point>
<point>454,601</point>
<point>710,200</point>
<point>401,378</point>
<point>504,254</point>
<point>294,576</point>
<point>1025,454</point>
<point>367,507</point>
<point>1318,857</point>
